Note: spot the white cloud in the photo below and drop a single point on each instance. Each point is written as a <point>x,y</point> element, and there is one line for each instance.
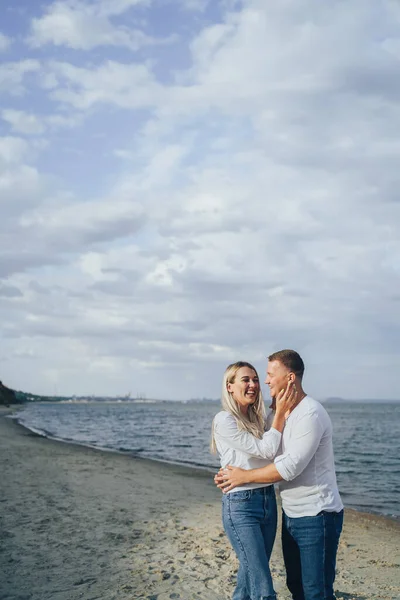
<point>12,75</point>
<point>118,7</point>
<point>86,25</point>
<point>70,224</point>
<point>195,5</point>
<point>12,149</point>
<point>21,188</point>
<point>125,85</point>
<point>5,42</point>
<point>30,124</point>
<point>22,122</point>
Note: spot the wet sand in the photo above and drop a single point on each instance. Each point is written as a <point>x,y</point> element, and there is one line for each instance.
<point>77,523</point>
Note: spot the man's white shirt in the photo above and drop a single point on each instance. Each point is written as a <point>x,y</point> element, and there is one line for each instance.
<point>306,463</point>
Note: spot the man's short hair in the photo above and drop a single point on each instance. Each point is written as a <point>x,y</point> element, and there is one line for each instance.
<point>291,360</point>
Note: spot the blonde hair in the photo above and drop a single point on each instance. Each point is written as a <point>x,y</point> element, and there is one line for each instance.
<point>254,420</point>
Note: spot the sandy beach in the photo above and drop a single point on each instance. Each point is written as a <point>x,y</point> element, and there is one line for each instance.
<point>77,523</point>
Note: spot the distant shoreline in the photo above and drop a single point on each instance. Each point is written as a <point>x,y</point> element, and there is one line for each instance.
<point>100,400</point>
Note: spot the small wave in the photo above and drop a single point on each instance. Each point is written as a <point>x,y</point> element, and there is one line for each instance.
<point>345,471</point>
<point>181,446</point>
<point>38,431</point>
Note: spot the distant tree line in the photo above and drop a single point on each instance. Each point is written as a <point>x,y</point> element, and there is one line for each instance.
<point>7,396</point>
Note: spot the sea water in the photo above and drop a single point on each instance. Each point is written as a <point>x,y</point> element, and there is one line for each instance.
<point>366,439</point>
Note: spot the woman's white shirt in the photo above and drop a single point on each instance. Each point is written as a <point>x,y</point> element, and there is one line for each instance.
<point>241,449</point>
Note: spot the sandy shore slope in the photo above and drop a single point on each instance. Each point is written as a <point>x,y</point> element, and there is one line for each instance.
<point>77,523</point>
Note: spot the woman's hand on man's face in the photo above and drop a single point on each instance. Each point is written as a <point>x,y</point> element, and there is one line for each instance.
<point>286,399</point>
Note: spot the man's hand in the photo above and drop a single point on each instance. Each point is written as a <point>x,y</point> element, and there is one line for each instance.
<point>229,478</point>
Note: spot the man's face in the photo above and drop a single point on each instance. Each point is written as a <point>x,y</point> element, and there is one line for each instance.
<point>277,377</point>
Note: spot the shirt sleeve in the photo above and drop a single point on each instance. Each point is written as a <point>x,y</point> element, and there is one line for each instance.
<point>305,437</point>
<point>226,429</point>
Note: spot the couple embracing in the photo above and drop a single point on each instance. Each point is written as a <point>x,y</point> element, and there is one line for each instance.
<point>292,447</point>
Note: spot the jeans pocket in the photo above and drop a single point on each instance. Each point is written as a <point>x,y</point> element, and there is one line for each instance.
<point>240,496</point>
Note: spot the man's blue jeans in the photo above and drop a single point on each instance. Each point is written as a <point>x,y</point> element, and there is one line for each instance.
<point>309,547</point>
<point>249,520</point>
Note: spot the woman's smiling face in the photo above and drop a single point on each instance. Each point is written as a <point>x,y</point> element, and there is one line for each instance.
<point>245,388</point>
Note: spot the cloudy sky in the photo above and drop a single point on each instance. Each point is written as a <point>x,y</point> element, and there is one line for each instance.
<point>186,183</point>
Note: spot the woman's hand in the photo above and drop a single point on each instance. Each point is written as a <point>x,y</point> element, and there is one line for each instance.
<point>286,399</point>
<point>218,477</point>
<point>229,478</point>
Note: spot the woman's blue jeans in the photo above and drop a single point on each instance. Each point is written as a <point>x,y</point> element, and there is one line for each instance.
<point>309,547</point>
<point>249,520</point>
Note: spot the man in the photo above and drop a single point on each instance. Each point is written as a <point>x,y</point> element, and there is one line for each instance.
<point>304,467</point>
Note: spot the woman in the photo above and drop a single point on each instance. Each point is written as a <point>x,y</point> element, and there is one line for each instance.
<point>249,512</point>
